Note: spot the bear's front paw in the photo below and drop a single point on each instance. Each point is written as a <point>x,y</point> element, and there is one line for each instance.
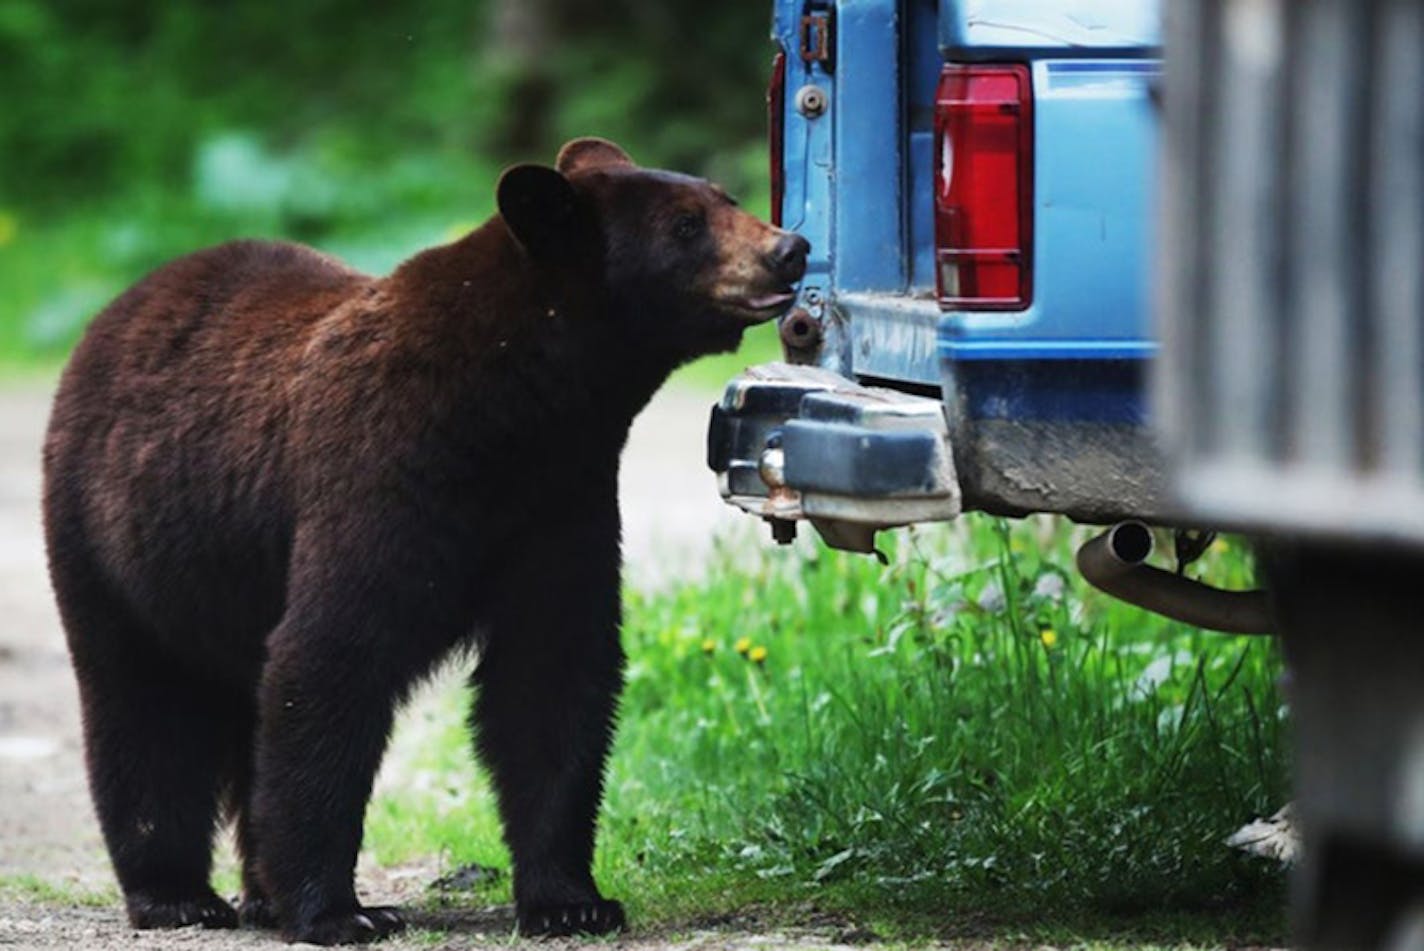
<point>591,917</point>
<point>257,911</point>
<point>351,927</point>
<point>205,909</point>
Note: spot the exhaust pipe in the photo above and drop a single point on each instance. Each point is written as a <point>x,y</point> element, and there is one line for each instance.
<point>1115,562</point>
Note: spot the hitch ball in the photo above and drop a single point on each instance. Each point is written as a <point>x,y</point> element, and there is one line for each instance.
<point>771,464</point>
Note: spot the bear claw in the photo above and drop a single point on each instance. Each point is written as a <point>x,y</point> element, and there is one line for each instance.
<point>257,912</point>
<point>555,921</point>
<point>206,910</point>
<point>352,927</point>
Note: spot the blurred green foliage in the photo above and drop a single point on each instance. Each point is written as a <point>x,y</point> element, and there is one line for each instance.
<point>134,132</point>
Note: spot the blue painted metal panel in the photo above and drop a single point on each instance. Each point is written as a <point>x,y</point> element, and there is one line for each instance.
<point>870,252</point>
<point>921,76</point>
<point>893,335</point>
<point>809,166</point>
<point>955,349</point>
<point>1040,24</point>
<point>1062,391</point>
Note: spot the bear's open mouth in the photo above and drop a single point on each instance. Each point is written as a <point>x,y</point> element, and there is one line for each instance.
<point>761,307</point>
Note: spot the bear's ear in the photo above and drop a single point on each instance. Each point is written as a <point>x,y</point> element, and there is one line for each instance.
<point>540,209</point>
<point>581,154</point>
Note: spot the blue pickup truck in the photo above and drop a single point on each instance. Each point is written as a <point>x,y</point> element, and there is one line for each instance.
<point>999,282</point>
<point>973,330</point>
<point>974,179</point>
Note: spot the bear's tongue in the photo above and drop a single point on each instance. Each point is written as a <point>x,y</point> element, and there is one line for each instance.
<point>767,301</point>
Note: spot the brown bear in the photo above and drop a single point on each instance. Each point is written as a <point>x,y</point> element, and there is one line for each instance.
<point>278,492</point>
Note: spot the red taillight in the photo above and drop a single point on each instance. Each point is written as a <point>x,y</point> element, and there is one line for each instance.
<point>983,187</point>
<point>775,131</point>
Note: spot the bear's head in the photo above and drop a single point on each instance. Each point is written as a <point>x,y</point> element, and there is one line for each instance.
<point>678,263</point>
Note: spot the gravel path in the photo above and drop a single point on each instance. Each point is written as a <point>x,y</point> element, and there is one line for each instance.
<point>50,848</point>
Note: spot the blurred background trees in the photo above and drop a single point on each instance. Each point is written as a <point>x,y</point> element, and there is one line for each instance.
<point>135,131</point>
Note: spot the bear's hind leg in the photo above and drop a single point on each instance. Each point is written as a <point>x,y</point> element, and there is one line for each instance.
<point>155,741</point>
<point>546,691</point>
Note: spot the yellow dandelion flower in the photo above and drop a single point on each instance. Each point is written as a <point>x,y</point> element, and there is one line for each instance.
<point>743,645</point>
<point>1049,637</point>
<point>757,655</point>
<point>708,646</point>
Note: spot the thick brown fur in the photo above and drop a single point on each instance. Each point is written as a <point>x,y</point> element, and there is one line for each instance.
<point>278,492</point>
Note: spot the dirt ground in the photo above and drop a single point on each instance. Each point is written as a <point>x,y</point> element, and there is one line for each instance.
<point>50,848</point>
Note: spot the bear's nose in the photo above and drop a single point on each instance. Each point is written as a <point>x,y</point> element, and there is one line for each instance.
<point>788,257</point>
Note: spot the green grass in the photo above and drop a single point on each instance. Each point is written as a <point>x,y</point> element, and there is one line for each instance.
<point>33,888</point>
<point>915,751</point>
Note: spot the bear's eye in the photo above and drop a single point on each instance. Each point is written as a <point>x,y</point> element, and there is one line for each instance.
<point>687,226</point>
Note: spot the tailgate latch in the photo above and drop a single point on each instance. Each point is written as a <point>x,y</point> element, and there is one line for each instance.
<point>818,35</point>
